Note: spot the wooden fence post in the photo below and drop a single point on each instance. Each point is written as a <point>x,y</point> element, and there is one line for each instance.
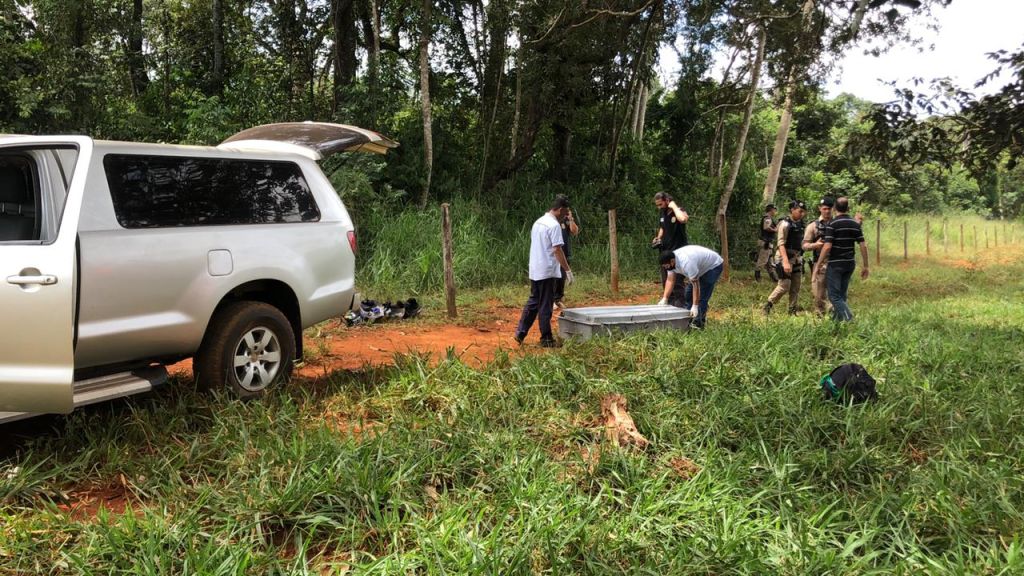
<point>975,238</point>
<point>945,236</point>
<point>986,237</point>
<point>928,237</point>
<point>613,247</point>
<point>904,240</point>
<point>449,268</point>
<point>725,247</point>
<point>961,236</point>
<point>995,230</point>
<point>878,242</point>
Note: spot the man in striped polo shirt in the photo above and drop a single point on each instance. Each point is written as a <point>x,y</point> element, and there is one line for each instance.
<point>841,234</point>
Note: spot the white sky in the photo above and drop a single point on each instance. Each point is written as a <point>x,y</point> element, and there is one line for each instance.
<point>968,29</point>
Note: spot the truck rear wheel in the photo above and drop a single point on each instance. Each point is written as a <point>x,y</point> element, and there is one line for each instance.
<point>249,348</point>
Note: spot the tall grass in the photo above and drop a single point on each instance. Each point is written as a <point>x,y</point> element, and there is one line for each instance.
<point>503,470</point>
<point>402,252</point>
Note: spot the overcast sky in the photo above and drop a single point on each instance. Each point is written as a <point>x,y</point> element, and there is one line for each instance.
<point>968,29</point>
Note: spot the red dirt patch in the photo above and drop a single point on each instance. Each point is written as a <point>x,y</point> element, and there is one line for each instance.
<point>85,504</point>
<point>341,348</point>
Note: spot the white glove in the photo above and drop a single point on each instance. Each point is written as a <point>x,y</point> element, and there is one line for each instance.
<point>569,277</point>
<point>693,311</point>
<point>663,302</point>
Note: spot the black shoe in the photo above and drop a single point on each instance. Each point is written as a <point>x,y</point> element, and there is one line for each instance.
<point>519,338</point>
<point>550,343</point>
<point>793,310</point>
<point>767,309</point>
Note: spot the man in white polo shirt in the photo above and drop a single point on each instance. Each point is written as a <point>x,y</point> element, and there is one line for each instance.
<point>547,261</point>
<point>700,267</point>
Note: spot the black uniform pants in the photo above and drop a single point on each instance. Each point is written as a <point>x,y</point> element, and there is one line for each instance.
<point>542,299</point>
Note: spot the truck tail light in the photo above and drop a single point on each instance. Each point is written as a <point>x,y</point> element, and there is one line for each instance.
<point>352,241</point>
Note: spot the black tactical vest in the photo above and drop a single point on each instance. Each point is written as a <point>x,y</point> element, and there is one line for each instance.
<point>766,235</point>
<point>821,234</point>
<point>795,236</point>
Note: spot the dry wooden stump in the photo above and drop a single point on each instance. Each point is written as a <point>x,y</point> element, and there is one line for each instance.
<point>618,424</point>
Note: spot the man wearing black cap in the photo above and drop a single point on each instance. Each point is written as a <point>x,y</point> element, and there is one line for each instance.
<point>813,241</point>
<point>789,265</point>
<point>764,247</point>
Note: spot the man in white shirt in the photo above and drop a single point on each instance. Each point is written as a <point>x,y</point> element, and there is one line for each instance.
<point>700,268</point>
<point>547,261</point>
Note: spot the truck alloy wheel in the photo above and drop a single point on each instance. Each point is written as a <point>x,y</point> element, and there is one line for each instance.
<point>248,349</point>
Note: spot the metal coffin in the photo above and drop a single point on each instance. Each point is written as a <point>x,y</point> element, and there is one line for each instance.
<point>597,320</point>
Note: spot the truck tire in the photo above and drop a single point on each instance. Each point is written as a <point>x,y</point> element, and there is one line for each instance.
<point>248,349</point>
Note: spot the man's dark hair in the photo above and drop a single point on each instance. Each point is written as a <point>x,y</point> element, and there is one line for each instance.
<point>666,256</point>
<point>561,201</point>
<point>769,208</point>
<point>663,196</point>
<point>843,204</point>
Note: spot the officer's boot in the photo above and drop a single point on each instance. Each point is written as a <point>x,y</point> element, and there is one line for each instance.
<point>757,275</point>
<point>793,310</point>
<point>767,309</point>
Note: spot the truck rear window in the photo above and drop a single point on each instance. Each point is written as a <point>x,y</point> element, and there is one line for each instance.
<point>171,191</point>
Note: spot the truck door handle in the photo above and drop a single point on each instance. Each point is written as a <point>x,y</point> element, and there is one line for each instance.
<point>42,279</point>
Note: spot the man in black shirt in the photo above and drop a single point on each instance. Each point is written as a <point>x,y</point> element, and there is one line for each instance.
<point>841,234</point>
<point>569,229</point>
<point>672,220</point>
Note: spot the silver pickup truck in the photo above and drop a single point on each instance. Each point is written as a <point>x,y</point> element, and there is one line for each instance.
<point>119,258</point>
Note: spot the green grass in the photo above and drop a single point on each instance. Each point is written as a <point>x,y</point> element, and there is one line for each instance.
<point>439,468</point>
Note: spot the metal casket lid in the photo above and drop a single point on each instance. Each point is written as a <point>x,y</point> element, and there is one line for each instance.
<point>617,314</point>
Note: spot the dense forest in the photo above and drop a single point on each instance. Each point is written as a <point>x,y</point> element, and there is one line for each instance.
<point>500,104</point>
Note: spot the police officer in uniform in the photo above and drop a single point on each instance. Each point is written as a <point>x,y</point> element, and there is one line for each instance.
<point>789,264</point>
<point>813,241</point>
<point>764,246</point>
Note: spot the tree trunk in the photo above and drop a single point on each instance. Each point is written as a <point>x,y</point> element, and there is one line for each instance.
<point>345,63</point>
<point>375,45</point>
<point>714,166</point>
<point>490,92</point>
<point>635,79</point>
<point>428,137</point>
<point>635,116</point>
<point>136,62</point>
<point>787,110</point>
<point>562,142</point>
<point>858,17</point>
<point>775,166</point>
<point>737,158</point>
<point>217,75</point>
<point>515,113</point>
<point>643,114</point>
<point>525,139</point>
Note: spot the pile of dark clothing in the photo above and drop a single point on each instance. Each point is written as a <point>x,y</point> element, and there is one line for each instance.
<point>371,311</point>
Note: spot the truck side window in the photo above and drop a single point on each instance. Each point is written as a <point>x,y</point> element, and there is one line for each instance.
<point>171,191</point>
<point>20,210</point>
